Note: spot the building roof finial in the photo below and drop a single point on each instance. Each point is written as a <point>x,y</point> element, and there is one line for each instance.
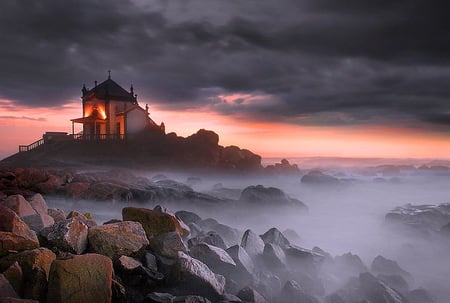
<point>109,74</point>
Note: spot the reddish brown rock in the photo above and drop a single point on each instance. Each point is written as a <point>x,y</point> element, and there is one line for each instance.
<point>86,278</point>
<point>29,177</point>
<point>156,221</point>
<point>15,235</point>
<point>39,205</point>
<point>6,290</point>
<point>116,239</point>
<point>57,214</point>
<point>85,219</point>
<point>35,265</point>
<point>69,235</point>
<point>14,275</point>
<point>19,205</point>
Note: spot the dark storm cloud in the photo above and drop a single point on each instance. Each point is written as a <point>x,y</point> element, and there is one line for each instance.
<point>312,61</point>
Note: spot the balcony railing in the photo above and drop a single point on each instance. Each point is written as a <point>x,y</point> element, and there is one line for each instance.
<point>23,148</point>
<point>82,137</point>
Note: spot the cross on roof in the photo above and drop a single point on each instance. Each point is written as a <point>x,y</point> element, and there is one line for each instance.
<point>109,74</point>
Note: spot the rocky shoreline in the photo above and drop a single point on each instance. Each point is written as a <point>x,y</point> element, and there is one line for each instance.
<point>155,255</point>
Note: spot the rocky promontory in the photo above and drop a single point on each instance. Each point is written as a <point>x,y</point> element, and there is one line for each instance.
<point>144,150</point>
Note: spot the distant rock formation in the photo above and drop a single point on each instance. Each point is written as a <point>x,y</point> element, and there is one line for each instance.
<point>146,149</point>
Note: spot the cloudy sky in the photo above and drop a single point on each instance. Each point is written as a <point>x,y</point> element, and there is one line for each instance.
<point>305,75</point>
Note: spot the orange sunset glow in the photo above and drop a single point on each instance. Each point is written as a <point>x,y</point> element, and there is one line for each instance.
<point>24,125</point>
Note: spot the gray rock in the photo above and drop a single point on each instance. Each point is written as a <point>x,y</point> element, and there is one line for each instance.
<point>195,277</point>
<point>168,244</point>
<point>293,293</point>
<point>268,196</point>
<point>217,259</point>
<point>274,236</point>
<point>377,291</point>
<point>244,264</point>
<point>211,238</point>
<point>248,294</point>
<point>274,256</point>
<point>381,265</point>
<point>38,221</point>
<point>150,261</point>
<point>252,243</point>
<point>191,299</point>
<point>188,216</point>
<point>420,295</point>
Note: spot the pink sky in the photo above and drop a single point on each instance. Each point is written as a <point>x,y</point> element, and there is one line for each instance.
<point>24,125</point>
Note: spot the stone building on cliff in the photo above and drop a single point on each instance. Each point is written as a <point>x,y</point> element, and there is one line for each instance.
<point>111,112</point>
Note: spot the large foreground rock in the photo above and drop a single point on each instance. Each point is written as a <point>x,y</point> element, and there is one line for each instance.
<point>114,240</point>
<point>196,278</point>
<point>35,266</point>
<point>86,278</point>
<point>216,258</point>
<point>156,221</point>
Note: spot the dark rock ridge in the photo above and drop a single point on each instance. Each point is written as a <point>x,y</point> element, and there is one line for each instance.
<point>149,149</point>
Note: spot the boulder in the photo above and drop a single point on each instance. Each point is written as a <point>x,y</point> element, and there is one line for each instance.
<point>85,278</point>
<point>188,216</point>
<point>420,295</point>
<point>292,236</point>
<point>150,262</point>
<point>274,256</point>
<point>85,218</point>
<point>248,294</point>
<point>155,222</point>
<point>252,243</point>
<point>217,259</point>
<point>168,244</point>
<point>14,275</point>
<point>268,196</point>
<point>69,235</point>
<point>116,239</point>
<point>15,235</point>
<point>395,281</point>
<point>377,291</point>
<point>274,236</point>
<point>57,214</point>
<point>19,205</point>
<point>349,265</point>
<point>38,221</point>
<point>244,264</point>
<point>316,177</point>
<point>6,289</point>
<point>230,235</point>
<point>284,167</point>
<point>381,265</point>
<point>195,277</point>
<point>207,224</point>
<point>136,271</point>
<point>35,265</point>
<point>211,238</point>
<point>292,292</point>
<point>39,205</point>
